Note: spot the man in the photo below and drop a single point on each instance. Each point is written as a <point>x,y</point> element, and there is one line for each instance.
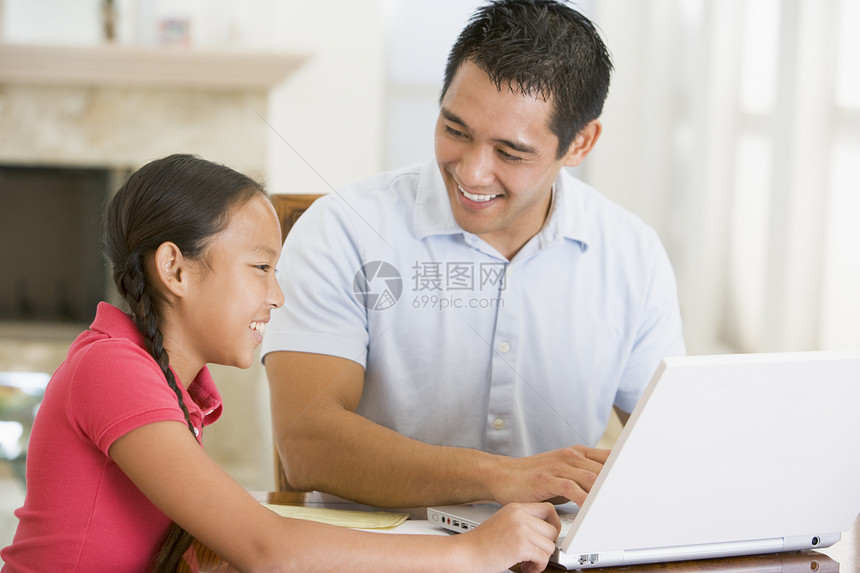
<point>461,330</point>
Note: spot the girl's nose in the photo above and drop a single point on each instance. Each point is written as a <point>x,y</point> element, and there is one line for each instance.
<point>276,295</point>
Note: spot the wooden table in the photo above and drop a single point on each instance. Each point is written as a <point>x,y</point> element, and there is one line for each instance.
<point>844,556</point>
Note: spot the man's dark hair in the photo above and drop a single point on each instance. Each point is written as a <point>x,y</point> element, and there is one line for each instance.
<point>543,48</point>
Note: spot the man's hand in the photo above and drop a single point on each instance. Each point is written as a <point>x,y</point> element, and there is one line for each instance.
<point>557,476</point>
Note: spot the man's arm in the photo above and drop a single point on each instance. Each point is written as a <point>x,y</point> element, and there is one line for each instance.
<point>326,446</point>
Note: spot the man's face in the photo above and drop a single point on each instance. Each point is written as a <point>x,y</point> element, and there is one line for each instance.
<point>498,159</point>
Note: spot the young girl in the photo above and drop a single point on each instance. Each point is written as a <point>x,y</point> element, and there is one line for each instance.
<point>115,456</point>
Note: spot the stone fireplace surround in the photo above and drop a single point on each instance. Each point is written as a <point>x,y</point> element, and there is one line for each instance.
<point>117,108</point>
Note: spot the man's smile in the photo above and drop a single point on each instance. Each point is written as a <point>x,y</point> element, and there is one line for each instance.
<point>477,198</point>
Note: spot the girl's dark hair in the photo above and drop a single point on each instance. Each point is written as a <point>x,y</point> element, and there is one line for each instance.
<point>180,199</point>
<point>540,47</point>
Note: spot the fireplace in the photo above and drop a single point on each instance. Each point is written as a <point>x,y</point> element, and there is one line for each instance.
<point>50,229</point>
<point>75,120</point>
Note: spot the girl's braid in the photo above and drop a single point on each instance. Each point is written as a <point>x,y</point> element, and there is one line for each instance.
<point>134,289</point>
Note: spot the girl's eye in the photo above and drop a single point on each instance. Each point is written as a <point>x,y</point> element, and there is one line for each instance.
<point>264,268</point>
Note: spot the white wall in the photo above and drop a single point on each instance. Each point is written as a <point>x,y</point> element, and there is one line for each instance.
<point>420,34</point>
<point>728,128</point>
<point>327,119</point>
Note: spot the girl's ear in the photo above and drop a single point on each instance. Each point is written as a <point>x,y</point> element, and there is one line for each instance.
<point>171,268</point>
<point>583,143</point>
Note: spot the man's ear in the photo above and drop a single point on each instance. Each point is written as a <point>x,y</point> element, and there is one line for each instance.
<point>171,268</point>
<point>583,143</point>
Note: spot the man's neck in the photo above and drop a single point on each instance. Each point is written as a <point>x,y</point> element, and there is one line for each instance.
<point>509,241</point>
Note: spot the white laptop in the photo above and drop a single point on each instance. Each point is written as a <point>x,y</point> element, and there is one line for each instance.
<point>723,456</point>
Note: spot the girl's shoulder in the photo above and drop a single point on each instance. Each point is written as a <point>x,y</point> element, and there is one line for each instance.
<point>112,386</point>
<point>104,355</point>
<point>106,372</point>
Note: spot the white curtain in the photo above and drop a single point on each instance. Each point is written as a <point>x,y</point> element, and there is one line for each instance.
<point>733,127</point>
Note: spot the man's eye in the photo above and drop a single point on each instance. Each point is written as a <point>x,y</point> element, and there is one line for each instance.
<point>508,157</point>
<point>453,132</point>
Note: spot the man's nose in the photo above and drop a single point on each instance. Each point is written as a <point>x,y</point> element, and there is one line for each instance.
<point>475,168</point>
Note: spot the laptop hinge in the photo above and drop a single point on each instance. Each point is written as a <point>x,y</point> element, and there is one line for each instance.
<point>663,554</point>
<point>705,550</point>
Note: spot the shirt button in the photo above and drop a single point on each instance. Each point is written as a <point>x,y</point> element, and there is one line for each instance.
<point>504,346</point>
<point>196,432</point>
<point>499,424</point>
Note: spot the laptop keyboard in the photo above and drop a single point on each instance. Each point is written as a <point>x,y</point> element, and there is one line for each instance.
<point>566,523</point>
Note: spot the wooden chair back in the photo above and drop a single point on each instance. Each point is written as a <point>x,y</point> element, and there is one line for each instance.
<point>289,208</point>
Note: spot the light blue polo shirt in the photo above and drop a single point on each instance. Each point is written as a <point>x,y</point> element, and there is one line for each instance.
<point>462,347</point>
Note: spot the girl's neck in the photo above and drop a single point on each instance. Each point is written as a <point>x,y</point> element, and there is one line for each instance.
<point>183,362</point>
<point>185,375</point>
<point>184,368</point>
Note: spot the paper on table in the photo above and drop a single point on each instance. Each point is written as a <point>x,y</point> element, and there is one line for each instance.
<point>341,517</point>
<point>416,527</point>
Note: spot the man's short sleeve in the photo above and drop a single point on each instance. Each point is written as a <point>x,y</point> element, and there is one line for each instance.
<point>659,333</point>
<point>319,261</point>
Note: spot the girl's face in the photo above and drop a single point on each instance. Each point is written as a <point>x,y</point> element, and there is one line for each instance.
<point>232,290</point>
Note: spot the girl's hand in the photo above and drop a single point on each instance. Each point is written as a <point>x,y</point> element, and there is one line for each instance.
<point>518,533</point>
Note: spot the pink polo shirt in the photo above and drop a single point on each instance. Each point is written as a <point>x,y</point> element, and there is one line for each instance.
<point>81,512</point>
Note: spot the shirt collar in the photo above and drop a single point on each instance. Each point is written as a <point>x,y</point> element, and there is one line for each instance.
<point>115,323</point>
<point>205,395</point>
<point>432,213</point>
<point>568,217</point>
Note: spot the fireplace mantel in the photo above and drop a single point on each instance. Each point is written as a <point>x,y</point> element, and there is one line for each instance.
<point>108,65</point>
<point>120,106</point>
